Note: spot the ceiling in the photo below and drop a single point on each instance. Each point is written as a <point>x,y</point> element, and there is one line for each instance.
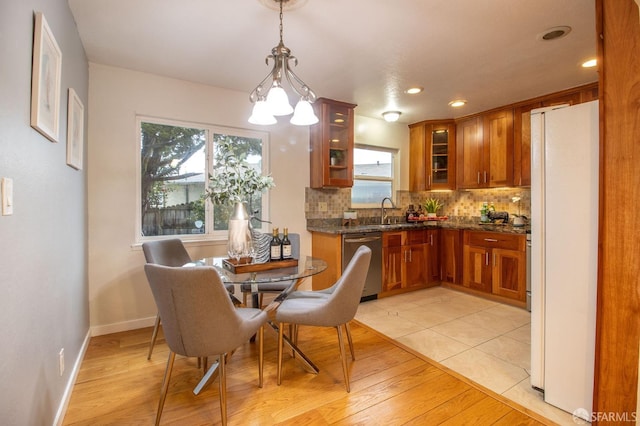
<point>487,52</point>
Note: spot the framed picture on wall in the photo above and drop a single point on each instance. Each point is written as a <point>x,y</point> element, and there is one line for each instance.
<point>45,80</point>
<point>75,130</point>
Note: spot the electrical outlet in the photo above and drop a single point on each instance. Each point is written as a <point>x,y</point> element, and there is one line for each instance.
<point>322,207</point>
<point>61,361</point>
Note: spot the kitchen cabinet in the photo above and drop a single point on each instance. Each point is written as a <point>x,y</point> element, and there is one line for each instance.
<point>392,260</point>
<point>451,256</point>
<point>432,155</point>
<point>414,255</point>
<point>522,144</point>
<point>432,243</point>
<point>495,262</point>
<point>410,260</point>
<point>485,150</point>
<point>329,248</point>
<point>331,145</point>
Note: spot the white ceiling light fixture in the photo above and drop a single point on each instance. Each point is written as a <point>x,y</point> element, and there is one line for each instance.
<point>414,90</point>
<point>590,63</point>
<point>391,116</point>
<point>270,101</point>
<point>457,103</point>
<point>555,33</point>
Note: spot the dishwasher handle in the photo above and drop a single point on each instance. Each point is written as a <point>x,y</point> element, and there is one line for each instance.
<point>362,239</point>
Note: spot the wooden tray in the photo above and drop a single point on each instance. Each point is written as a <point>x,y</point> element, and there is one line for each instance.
<point>240,268</point>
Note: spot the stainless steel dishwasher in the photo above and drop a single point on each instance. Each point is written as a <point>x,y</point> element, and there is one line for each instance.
<point>373,240</point>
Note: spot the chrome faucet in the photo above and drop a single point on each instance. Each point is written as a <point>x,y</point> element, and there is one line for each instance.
<point>383,212</point>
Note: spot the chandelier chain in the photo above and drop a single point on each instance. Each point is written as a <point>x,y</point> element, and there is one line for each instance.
<point>281,1</point>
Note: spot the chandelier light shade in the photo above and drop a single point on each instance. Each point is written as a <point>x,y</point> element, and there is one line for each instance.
<point>391,116</point>
<point>269,97</point>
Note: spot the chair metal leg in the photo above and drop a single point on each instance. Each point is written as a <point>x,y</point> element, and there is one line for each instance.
<point>154,335</point>
<point>348,330</point>
<point>165,385</point>
<point>223,389</point>
<point>280,344</point>
<point>344,359</point>
<point>260,355</point>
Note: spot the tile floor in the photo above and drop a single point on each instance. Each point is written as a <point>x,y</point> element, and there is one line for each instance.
<point>487,342</point>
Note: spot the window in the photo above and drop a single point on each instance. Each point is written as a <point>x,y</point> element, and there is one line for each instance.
<point>176,160</point>
<point>373,179</point>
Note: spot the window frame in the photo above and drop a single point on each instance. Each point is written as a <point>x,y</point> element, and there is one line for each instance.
<point>210,129</point>
<point>393,179</point>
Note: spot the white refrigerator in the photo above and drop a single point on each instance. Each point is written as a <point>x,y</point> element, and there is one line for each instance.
<point>564,256</point>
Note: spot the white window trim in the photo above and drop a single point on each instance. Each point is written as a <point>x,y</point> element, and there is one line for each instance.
<point>210,130</point>
<point>395,162</point>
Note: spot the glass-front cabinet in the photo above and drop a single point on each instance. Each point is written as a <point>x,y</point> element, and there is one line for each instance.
<point>331,143</point>
<point>432,155</point>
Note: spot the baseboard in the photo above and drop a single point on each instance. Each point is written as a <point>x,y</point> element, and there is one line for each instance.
<point>64,403</point>
<point>117,327</point>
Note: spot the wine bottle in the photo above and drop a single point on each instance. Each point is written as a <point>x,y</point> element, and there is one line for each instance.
<point>276,247</point>
<point>286,245</point>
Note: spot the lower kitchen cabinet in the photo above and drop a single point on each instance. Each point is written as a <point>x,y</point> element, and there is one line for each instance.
<point>451,256</point>
<point>495,263</point>
<point>410,260</point>
<point>329,248</point>
<point>432,242</point>
<point>392,262</point>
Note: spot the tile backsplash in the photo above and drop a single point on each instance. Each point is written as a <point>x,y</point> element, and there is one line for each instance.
<point>326,206</point>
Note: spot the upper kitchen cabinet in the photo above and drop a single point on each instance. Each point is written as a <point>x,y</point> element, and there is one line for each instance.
<point>522,126</point>
<point>432,155</point>
<point>331,143</point>
<point>522,144</point>
<point>485,150</point>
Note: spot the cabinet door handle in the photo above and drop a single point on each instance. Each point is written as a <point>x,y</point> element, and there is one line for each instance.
<point>405,257</point>
<point>485,176</point>
<point>410,257</point>
<point>431,238</point>
<point>494,260</point>
<point>429,180</point>
<point>491,240</point>
<point>478,178</point>
<point>486,258</point>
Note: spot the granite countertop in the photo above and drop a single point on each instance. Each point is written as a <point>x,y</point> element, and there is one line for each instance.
<point>403,226</point>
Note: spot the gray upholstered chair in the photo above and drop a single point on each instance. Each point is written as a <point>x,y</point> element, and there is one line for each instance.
<point>169,252</point>
<point>277,287</point>
<point>200,320</point>
<point>334,307</point>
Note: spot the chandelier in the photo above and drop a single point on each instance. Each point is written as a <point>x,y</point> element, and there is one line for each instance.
<point>271,100</point>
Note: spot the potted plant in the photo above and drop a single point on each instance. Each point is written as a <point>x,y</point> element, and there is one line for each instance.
<point>336,157</point>
<point>431,206</point>
<point>232,183</point>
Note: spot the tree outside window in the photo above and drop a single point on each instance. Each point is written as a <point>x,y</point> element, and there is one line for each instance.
<point>174,175</point>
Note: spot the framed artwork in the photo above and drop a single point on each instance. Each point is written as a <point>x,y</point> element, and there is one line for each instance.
<point>75,130</point>
<point>45,80</point>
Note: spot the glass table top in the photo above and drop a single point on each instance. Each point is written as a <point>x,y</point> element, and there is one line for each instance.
<point>306,267</point>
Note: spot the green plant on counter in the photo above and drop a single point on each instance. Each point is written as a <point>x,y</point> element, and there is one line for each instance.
<point>432,205</point>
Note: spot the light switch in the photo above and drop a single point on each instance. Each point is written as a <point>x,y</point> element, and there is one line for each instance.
<point>7,196</point>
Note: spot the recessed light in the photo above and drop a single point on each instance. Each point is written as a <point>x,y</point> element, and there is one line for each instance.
<point>414,90</point>
<point>457,103</point>
<point>590,63</point>
<point>555,33</point>
<point>391,116</point>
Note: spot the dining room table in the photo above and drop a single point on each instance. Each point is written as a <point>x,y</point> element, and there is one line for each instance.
<point>294,273</point>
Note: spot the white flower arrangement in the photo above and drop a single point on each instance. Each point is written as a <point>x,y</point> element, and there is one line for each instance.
<point>234,180</point>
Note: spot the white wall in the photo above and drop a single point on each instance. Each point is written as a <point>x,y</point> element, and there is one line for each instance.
<point>43,275</point>
<point>118,290</point>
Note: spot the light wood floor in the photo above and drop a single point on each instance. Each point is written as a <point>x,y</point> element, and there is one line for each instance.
<point>390,385</point>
